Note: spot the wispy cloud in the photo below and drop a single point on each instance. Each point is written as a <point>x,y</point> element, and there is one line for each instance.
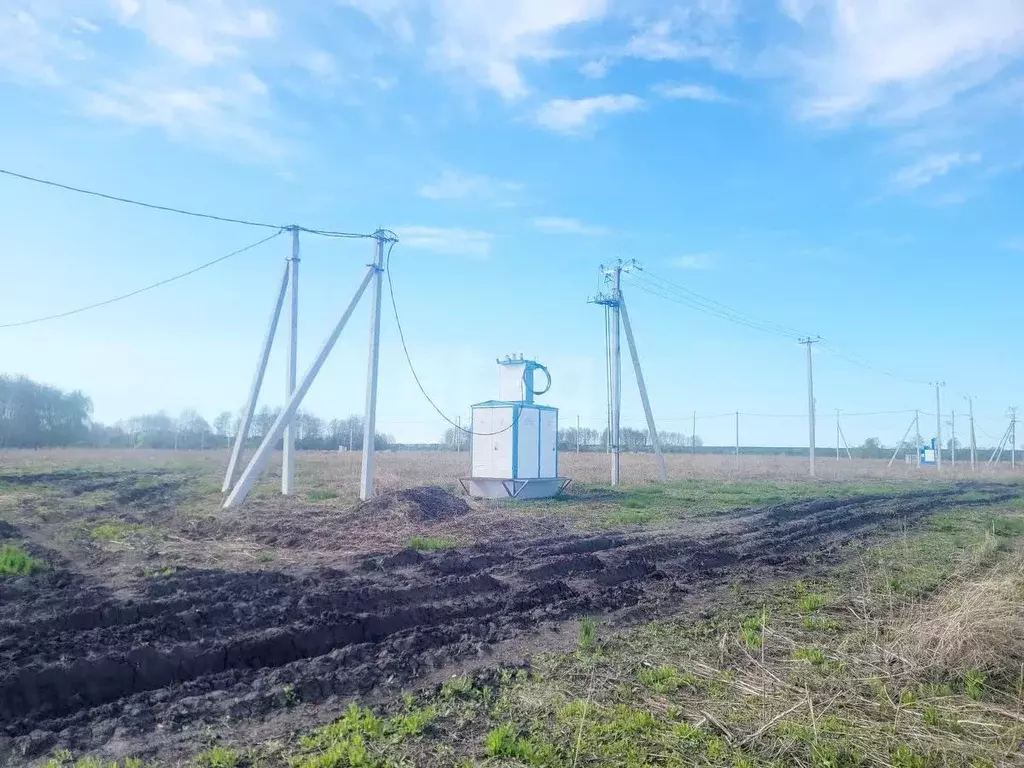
<point>228,114</point>
<point>595,69</point>
<point>931,167</point>
<point>447,241</point>
<point>456,185</point>
<point>576,115</point>
<point>698,30</point>
<point>898,60</point>
<point>487,42</point>
<point>694,261</point>
<point>186,68</point>
<point>563,225</point>
<point>691,92</point>
<point>1015,244</point>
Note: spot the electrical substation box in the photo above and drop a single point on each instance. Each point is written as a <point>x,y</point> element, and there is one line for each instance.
<point>514,441</point>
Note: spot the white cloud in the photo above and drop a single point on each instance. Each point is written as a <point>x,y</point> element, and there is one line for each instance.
<point>575,115</point>
<point>931,167</point>
<point>562,225</point>
<point>487,41</point>
<point>37,44</point>
<point>899,60</point>
<point>201,31</point>
<point>455,185</point>
<point>701,29</point>
<point>224,114</point>
<point>691,92</point>
<point>1015,244</point>
<point>595,69</point>
<point>447,241</point>
<point>693,261</point>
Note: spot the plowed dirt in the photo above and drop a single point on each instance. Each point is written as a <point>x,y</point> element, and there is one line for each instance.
<point>83,668</point>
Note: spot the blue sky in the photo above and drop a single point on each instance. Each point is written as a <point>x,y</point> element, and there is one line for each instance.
<point>846,168</point>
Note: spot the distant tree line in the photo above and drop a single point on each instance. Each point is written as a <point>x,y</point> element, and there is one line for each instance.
<point>34,415</point>
<point>588,439</point>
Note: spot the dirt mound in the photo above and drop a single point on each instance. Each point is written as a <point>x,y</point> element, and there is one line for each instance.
<point>420,505</point>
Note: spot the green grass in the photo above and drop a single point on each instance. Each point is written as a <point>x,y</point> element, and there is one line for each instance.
<point>116,531</point>
<point>322,495</point>
<point>64,759</point>
<point>15,561</point>
<point>430,543</point>
<point>219,757</point>
<point>603,507</point>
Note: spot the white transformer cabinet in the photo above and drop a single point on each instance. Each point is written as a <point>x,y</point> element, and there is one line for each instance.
<point>514,441</point>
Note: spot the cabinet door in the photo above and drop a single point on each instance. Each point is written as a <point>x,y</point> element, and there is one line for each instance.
<point>549,443</point>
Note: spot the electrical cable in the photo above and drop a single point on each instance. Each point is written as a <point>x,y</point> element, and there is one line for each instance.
<point>179,211</point>
<point>717,308</point>
<point>861,363</point>
<point>655,289</point>
<point>412,368</point>
<point>666,289</point>
<point>136,292</point>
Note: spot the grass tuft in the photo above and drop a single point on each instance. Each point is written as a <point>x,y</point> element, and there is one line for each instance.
<point>430,543</point>
<point>15,561</point>
<point>587,642</point>
<point>219,757</point>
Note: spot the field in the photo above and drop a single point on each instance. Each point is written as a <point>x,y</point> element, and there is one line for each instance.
<point>739,615</point>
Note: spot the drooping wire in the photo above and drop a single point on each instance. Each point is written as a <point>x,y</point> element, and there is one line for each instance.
<point>668,291</point>
<point>179,211</point>
<point>136,292</point>
<point>711,306</point>
<point>862,363</point>
<point>412,368</point>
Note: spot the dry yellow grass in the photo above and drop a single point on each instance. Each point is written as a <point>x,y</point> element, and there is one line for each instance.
<point>975,626</point>
<point>339,472</point>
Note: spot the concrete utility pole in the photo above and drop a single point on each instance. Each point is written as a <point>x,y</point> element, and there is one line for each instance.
<point>615,311</point>
<point>693,436</point>
<point>917,433</point>
<point>577,433</point>
<point>837,436</point>
<point>245,423</point>
<point>458,434</point>
<point>648,414</point>
<point>808,341</point>
<point>938,426</point>
<point>952,439</point>
<point>903,441</point>
<point>373,363</point>
<point>288,463</point>
<point>737,438</point>
<point>1013,437</point>
<point>262,456</point>
<point>974,442</point>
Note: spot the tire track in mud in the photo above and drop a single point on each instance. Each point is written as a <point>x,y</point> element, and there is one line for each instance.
<point>79,668</point>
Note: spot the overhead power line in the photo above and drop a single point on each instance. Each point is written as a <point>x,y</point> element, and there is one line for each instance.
<point>412,368</point>
<point>666,289</point>
<point>136,292</point>
<point>659,286</point>
<point>179,211</point>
